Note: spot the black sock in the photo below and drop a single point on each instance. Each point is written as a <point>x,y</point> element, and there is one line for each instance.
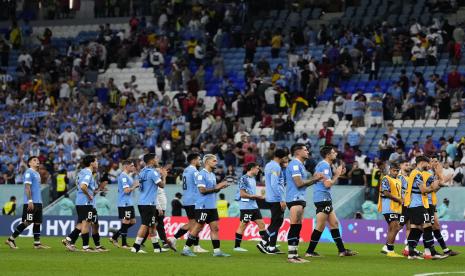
<point>293,235</point>
<point>96,238</point>
<point>238,241</point>
<point>272,238</point>
<point>314,239</point>
<point>145,237</point>
<point>161,228</point>
<point>440,239</point>
<point>196,242</point>
<point>19,229</point>
<point>191,240</point>
<point>264,236</point>
<point>180,233</point>
<point>390,247</point>
<point>36,233</point>
<point>428,239</point>
<point>216,244</point>
<point>74,235</point>
<point>124,233</point>
<point>413,239</point>
<point>117,234</point>
<point>155,243</point>
<point>338,240</point>
<point>85,239</point>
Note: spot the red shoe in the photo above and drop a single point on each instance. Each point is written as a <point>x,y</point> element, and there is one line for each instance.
<point>405,252</point>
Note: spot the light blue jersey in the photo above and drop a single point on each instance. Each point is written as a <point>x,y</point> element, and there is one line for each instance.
<point>320,192</point>
<point>249,185</point>
<point>274,186</point>
<point>386,202</point>
<point>404,184</point>
<point>428,183</point>
<point>85,177</point>
<point>416,193</point>
<point>191,192</point>
<point>148,181</point>
<point>32,178</point>
<point>207,180</point>
<point>294,193</point>
<point>124,181</point>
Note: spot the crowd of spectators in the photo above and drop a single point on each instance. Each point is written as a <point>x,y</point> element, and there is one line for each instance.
<point>58,109</point>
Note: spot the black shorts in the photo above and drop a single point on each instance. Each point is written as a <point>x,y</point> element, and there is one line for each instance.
<point>404,218</point>
<point>207,216</point>
<point>34,216</point>
<point>391,217</point>
<point>324,206</point>
<point>87,213</point>
<point>190,211</point>
<point>418,215</point>
<point>126,212</point>
<point>431,211</point>
<point>148,214</point>
<point>276,211</point>
<point>296,203</point>
<point>250,215</point>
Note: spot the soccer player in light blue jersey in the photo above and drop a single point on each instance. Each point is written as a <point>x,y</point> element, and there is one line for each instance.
<point>150,179</point>
<point>126,186</point>
<point>323,203</point>
<point>85,207</point>
<point>249,208</point>
<point>275,187</point>
<point>205,207</point>
<point>190,195</point>
<point>32,208</point>
<point>297,183</point>
<point>436,170</point>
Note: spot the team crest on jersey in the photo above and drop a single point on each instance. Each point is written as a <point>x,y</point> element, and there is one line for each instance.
<point>199,177</point>
<point>28,175</point>
<point>125,180</point>
<point>295,167</point>
<point>326,171</point>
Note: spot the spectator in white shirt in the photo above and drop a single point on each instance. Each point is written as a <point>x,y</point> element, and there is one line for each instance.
<point>263,145</point>
<point>447,171</point>
<point>26,57</point>
<point>459,170</point>
<point>69,134</point>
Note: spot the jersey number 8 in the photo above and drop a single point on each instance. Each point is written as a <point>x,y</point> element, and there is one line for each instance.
<point>184,183</point>
<point>90,215</point>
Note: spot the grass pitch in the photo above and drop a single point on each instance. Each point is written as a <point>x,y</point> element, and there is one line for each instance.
<point>58,261</point>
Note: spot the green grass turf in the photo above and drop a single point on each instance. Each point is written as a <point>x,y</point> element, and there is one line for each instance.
<point>57,261</point>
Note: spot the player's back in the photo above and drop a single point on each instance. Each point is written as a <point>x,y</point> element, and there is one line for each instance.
<point>124,181</point>
<point>294,193</point>
<point>249,185</point>
<point>85,176</point>
<point>207,180</point>
<point>320,191</point>
<point>32,178</point>
<point>272,182</point>
<point>147,186</point>
<point>415,193</point>
<point>189,187</point>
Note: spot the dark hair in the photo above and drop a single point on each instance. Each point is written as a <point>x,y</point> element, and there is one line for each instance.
<point>127,162</point>
<point>421,158</point>
<point>325,150</point>
<point>402,161</point>
<point>149,157</point>
<point>222,197</point>
<point>30,159</point>
<point>433,156</point>
<point>280,153</point>
<point>296,147</point>
<point>178,195</point>
<point>250,166</point>
<point>192,156</point>
<point>394,165</point>
<point>86,160</point>
<point>12,198</point>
